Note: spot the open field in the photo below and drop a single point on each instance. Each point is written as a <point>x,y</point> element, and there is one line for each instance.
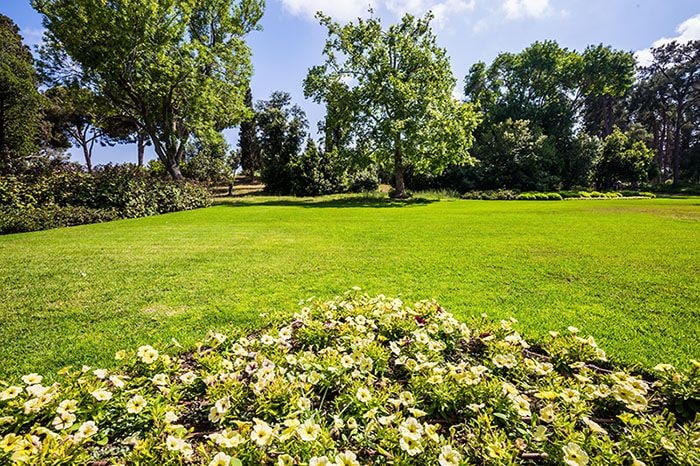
<point>625,271</point>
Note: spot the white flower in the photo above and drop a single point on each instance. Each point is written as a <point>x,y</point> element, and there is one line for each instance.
<point>319,461</point>
<point>411,428</point>
<point>32,379</point>
<point>222,405</point>
<point>227,438</point>
<point>64,420</point>
<point>67,405</point>
<point>116,381</point>
<point>570,396</point>
<point>170,417</point>
<point>547,413</point>
<point>148,354</point>
<point>262,433</point>
<point>304,404</point>
<point>594,426</point>
<point>136,404</point>
<point>308,431</point>
<point>363,395</point>
<point>573,329</point>
<point>285,460</point>
<point>160,380</point>
<point>347,458</point>
<point>87,429</point>
<point>102,395</point>
<point>220,459</point>
<point>504,360</point>
<point>347,362</point>
<point>188,378</point>
<point>100,373</point>
<point>663,367</point>
<point>410,445</point>
<point>174,443</point>
<point>449,456</point>
<point>10,393</point>
<point>574,455</point>
<point>267,340</point>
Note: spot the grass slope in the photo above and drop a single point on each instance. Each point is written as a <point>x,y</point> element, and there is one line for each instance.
<point>626,271</point>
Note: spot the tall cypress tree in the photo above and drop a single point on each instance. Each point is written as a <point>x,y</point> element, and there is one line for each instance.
<point>20,101</point>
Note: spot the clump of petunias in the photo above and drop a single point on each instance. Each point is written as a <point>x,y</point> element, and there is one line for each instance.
<point>359,380</point>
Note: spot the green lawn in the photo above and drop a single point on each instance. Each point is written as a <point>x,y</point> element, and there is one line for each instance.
<point>626,271</point>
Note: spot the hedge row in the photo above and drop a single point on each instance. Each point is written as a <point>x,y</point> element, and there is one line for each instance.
<point>73,197</point>
<point>508,195</point>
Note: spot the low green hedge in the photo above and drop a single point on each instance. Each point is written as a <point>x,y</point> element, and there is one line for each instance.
<point>507,195</point>
<point>73,197</point>
<point>15,220</point>
<point>359,381</point>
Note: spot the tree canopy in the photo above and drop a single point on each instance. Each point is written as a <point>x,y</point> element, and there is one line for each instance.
<point>398,85</point>
<point>176,67</point>
<point>20,101</point>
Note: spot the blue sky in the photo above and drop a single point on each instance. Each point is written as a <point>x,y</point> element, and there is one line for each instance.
<point>471,30</point>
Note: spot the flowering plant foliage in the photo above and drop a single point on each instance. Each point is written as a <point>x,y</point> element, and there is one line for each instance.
<point>359,380</point>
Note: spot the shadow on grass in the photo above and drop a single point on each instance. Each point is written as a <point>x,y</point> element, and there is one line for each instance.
<point>374,202</point>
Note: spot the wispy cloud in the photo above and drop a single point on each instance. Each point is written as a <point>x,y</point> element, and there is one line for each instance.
<point>32,36</point>
<point>345,10</point>
<point>687,31</point>
<point>516,9</point>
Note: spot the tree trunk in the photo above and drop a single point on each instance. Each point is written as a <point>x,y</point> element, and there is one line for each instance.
<point>141,141</point>
<point>174,170</point>
<point>88,157</point>
<point>399,169</point>
<point>676,160</point>
<point>168,154</point>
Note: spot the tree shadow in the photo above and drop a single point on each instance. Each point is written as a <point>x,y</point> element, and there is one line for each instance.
<point>357,202</point>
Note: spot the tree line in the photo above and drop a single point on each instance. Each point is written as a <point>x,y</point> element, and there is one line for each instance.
<point>175,74</point>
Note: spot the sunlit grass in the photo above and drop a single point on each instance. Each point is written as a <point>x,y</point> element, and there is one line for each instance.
<point>626,271</point>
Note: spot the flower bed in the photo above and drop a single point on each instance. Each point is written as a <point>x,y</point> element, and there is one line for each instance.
<point>359,380</point>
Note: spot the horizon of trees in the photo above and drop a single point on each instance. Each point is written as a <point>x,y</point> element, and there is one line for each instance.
<point>545,118</point>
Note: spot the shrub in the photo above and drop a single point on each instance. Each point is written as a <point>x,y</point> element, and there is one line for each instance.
<point>540,197</point>
<point>124,191</point>
<point>359,380</point>
<point>19,220</point>
<point>499,195</point>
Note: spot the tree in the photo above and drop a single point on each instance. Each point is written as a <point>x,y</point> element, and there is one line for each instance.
<point>399,88</point>
<point>314,172</point>
<point>668,99</point>
<point>281,132</point>
<point>553,88</point>
<point>607,75</point>
<point>81,115</point>
<point>175,67</point>
<point>624,159</point>
<point>515,155</point>
<point>20,101</point>
<point>248,141</point>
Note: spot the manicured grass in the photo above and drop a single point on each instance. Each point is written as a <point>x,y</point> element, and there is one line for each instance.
<point>626,271</point>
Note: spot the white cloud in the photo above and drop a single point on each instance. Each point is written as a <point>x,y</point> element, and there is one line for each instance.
<point>343,10</point>
<point>516,9</point>
<point>687,31</point>
<point>32,36</point>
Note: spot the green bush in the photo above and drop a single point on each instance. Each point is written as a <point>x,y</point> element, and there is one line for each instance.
<point>125,191</point>
<point>540,197</point>
<point>359,381</point>
<point>19,220</point>
<point>498,195</point>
